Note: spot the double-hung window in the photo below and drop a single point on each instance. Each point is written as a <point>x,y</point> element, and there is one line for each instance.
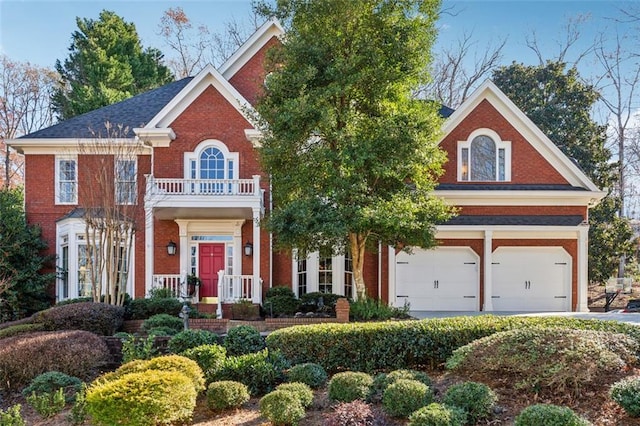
<point>484,157</point>
<point>66,180</point>
<point>125,179</point>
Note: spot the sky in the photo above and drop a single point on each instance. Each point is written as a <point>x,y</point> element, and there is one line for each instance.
<point>39,31</point>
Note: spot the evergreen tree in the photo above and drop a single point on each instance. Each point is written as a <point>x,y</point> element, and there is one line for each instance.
<point>106,64</point>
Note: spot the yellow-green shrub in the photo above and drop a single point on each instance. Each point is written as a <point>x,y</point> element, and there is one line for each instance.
<point>177,363</point>
<point>142,399</point>
<point>226,394</point>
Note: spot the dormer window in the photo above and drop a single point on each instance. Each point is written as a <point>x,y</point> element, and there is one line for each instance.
<point>484,157</point>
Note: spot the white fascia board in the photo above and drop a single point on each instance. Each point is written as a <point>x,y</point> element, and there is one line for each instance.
<point>527,128</point>
<point>158,137</point>
<point>67,146</point>
<point>257,41</point>
<point>209,76</point>
<point>521,198</point>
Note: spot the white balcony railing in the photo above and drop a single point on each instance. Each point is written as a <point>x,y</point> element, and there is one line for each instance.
<point>175,283</point>
<point>205,187</point>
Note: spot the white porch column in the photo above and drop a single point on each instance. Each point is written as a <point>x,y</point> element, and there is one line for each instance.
<point>257,282</point>
<point>148,250</point>
<point>488,270</point>
<point>583,268</point>
<point>183,251</point>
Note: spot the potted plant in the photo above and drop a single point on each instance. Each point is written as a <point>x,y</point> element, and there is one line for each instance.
<point>193,282</point>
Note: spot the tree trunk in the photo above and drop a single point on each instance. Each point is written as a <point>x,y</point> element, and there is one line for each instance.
<point>358,243</point>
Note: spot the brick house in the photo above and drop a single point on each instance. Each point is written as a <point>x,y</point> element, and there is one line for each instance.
<point>519,242</point>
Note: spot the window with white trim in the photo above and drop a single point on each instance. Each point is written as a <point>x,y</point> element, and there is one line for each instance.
<point>484,157</point>
<point>125,180</point>
<point>66,180</point>
<point>212,161</point>
<point>323,273</point>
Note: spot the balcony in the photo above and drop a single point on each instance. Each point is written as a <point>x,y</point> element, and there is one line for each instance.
<point>238,197</point>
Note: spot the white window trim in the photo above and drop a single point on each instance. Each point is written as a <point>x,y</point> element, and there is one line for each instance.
<point>208,143</point>
<point>313,266</point>
<point>500,144</point>
<point>135,179</point>
<point>58,159</point>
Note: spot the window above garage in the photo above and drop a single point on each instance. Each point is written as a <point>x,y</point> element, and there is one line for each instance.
<point>484,157</point>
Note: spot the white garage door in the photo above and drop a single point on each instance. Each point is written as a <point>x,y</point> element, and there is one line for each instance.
<point>531,279</point>
<point>442,279</point>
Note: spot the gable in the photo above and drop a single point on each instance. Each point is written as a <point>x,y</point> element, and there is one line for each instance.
<point>249,79</point>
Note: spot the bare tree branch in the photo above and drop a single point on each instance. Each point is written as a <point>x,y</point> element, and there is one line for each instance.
<point>572,34</point>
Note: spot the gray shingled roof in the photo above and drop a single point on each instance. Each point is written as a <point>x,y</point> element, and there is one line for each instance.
<point>506,187</point>
<point>530,220</point>
<point>134,112</point>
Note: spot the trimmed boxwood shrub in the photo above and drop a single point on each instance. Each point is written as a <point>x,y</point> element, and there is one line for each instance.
<point>210,358</point>
<point>282,408</point>
<point>163,320</point>
<point>549,415</point>
<point>349,385</point>
<point>436,414</point>
<point>310,373</point>
<point>280,290</point>
<point>382,380</point>
<point>73,352</point>
<point>140,309</point>
<point>404,396</point>
<point>145,398</point>
<point>302,391</point>
<point>407,344</point>
<point>260,371</point>
<point>626,393</point>
<point>51,381</point>
<point>191,338</point>
<point>177,363</point>
<point>98,318</point>
<point>476,399</point>
<point>242,340</point>
<point>162,331</point>
<point>14,330</point>
<point>226,394</point>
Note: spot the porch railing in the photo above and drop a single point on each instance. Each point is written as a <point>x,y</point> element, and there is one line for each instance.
<point>206,187</point>
<point>175,283</point>
<point>232,288</point>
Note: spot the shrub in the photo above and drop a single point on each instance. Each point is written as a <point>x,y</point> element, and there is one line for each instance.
<point>282,408</point>
<point>310,373</point>
<point>78,413</point>
<point>177,363</point>
<point>382,380</point>
<point>98,318</point>
<point>408,344</point>
<point>275,306</point>
<point>549,415</point>
<point>191,338</point>
<point>14,330</point>
<point>162,331</point>
<point>551,362</point>
<point>302,391</point>
<point>354,413</point>
<point>476,399</point>
<point>226,394</point>
<point>280,290</point>
<point>245,310</point>
<point>369,309</point>
<point>163,320</point>
<point>260,371</point>
<point>142,399</point>
<point>404,396</point>
<point>47,404</point>
<point>626,393</point>
<point>51,381</point>
<point>137,348</point>
<point>349,385</point>
<point>210,358</point>
<point>74,352</point>
<point>319,302</point>
<point>74,300</point>
<point>162,293</point>
<point>11,416</point>
<point>242,340</point>
<point>139,309</point>
<point>436,414</point>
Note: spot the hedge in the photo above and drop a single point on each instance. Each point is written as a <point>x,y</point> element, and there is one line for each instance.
<point>405,344</point>
<point>98,318</point>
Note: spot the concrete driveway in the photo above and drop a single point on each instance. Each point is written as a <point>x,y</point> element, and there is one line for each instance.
<point>629,318</point>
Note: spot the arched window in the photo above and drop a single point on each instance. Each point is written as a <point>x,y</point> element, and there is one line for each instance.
<point>212,164</point>
<point>484,158</point>
<point>211,160</point>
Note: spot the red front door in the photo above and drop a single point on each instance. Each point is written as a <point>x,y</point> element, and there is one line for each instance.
<point>211,260</point>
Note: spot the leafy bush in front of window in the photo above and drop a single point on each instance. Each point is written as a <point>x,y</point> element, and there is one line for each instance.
<point>73,352</point>
<point>310,373</point>
<point>12,416</point>
<point>51,381</point>
<point>242,340</point>
<point>280,302</point>
<point>549,415</point>
<point>404,396</point>
<point>476,399</point>
<point>260,371</point>
<point>191,338</point>
<point>349,386</point>
<point>145,398</point>
<point>140,309</point>
<point>163,320</point>
<point>226,394</point>
<point>436,414</point>
<point>319,302</point>
<point>178,363</point>
<point>98,318</point>
<point>301,390</point>
<point>282,408</point>
<point>626,393</point>
<point>280,290</point>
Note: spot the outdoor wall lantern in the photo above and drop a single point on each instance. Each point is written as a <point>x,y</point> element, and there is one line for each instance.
<point>248,249</point>
<point>171,248</point>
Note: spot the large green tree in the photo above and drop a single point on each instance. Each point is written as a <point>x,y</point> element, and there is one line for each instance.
<point>351,153</point>
<point>560,104</point>
<point>22,284</point>
<point>106,64</point>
